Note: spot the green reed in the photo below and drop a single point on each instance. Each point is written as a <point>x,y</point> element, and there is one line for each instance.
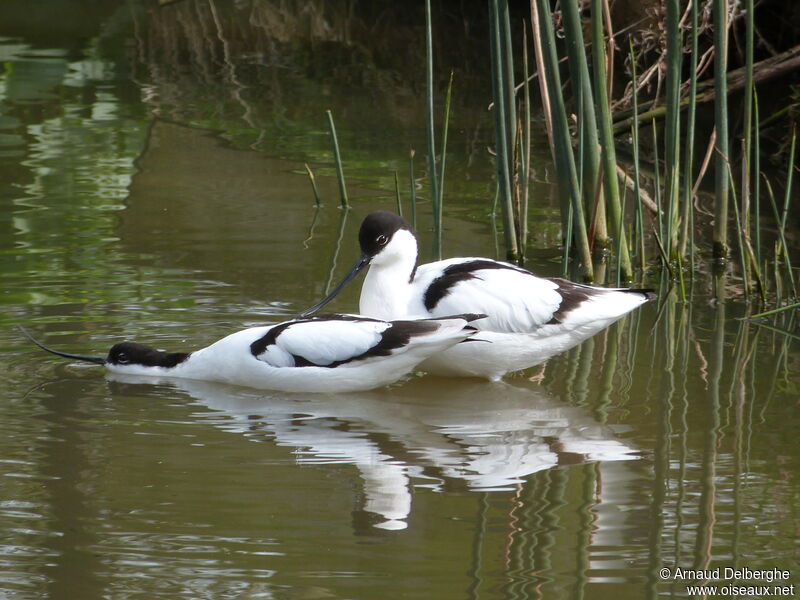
<point>638,211</point>
<point>782,215</point>
<point>524,152</point>
<point>672,133</point>
<point>657,186</point>
<point>588,143</point>
<point>747,126</point>
<point>590,171</point>
<point>756,180</point>
<point>504,119</point>
<point>412,188</point>
<point>336,250</point>
<point>743,263</point>
<point>313,181</point>
<point>687,215</point>
<point>398,201</point>
<point>775,311</point>
<point>571,200</point>
<point>672,225</point>
<point>440,201</point>
<point>436,179</point>
<point>338,159</point>
<point>675,182</point>
<point>720,17</point>
<point>434,184</point>
<point>608,154</point>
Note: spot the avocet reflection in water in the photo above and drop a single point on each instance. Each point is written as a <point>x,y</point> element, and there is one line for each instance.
<point>487,436</point>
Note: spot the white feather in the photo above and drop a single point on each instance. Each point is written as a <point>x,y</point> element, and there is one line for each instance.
<point>324,342</point>
<point>515,301</point>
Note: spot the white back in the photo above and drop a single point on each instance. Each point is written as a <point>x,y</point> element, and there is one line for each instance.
<point>514,301</point>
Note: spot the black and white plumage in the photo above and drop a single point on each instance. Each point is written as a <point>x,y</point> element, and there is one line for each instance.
<point>335,353</point>
<point>529,318</point>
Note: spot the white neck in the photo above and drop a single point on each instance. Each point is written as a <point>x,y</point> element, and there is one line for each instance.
<point>387,290</point>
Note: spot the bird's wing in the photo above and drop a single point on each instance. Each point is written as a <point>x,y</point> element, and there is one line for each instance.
<point>515,300</point>
<point>319,341</point>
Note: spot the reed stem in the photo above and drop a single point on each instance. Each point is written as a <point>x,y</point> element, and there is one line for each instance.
<point>775,311</point>
<point>431,137</point>
<point>313,181</point>
<point>525,154</point>
<point>338,159</point>
<point>565,160</point>
<point>672,134</point>
<point>398,202</point>
<point>568,235</point>
<point>608,156</point>
<point>413,188</point>
<point>756,180</point>
<point>497,20</point>
<point>657,185</point>
<point>786,199</point>
<point>544,93</point>
<point>781,243</point>
<point>588,143</point>
<point>687,229</point>
<point>637,192</point>
<point>721,185</point>
<point>440,203</point>
<point>336,249</point>
<point>742,241</point>
<point>747,126</point>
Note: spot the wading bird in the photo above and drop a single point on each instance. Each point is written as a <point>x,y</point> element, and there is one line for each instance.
<point>335,353</point>
<point>529,318</point>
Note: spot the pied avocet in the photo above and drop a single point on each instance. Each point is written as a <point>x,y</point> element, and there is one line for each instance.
<point>335,353</point>
<point>529,318</point>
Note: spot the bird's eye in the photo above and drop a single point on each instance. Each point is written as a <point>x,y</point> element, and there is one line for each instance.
<point>123,359</point>
<point>381,240</point>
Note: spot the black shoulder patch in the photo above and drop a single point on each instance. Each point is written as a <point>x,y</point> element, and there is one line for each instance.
<point>133,353</point>
<point>269,338</point>
<point>463,271</point>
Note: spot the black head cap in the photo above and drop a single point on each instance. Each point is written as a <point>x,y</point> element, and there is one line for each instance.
<point>378,228</point>
<point>133,353</point>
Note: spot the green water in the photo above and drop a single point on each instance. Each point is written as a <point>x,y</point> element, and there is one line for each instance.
<point>153,187</point>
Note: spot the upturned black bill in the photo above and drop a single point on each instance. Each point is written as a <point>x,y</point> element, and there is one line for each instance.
<point>362,262</point>
<point>98,360</point>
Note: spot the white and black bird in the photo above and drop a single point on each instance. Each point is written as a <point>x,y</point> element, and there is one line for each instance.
<point>335,353</point>
<point>529,318</point>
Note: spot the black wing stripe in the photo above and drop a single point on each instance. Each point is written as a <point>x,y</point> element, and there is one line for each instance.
<point>396,336</point>
<point>269,338</point>
<point>463,271</point>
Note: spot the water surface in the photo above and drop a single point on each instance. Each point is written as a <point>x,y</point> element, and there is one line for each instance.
<point>137,203</point>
